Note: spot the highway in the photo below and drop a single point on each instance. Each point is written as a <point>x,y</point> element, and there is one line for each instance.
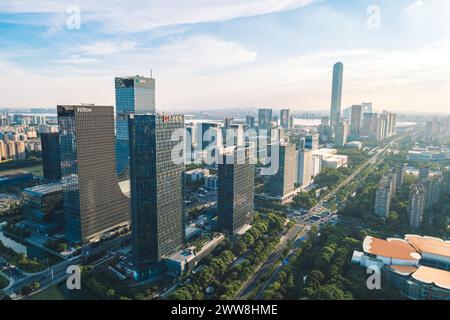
<point>303,224</point>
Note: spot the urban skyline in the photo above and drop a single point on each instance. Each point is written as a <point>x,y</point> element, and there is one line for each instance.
<point>134,199</point>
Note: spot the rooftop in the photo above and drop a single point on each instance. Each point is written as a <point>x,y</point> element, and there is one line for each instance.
<point>391,248</point>
<point>44,189</point>
<point>439,278</point>
<point>430,245</point>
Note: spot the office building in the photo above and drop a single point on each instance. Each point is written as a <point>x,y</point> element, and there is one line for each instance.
<point>51,159</point>
<point>342,133</point>
<point>416,205</point>
<point>44,209</point>
<point>281,184</point>
<point>336,96</point>
<point>355,120</point>
<point>93,200</point>
<point>134,95</point>
<point>235,191</point>
<point>304,164</point>
<point>157,191</point>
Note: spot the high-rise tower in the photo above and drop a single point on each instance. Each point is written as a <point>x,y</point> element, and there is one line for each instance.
<point>93,201</point>
<point>336,95</point>
<point>157,189</point>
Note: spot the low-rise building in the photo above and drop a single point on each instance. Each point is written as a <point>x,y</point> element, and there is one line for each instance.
<point>418,266</point>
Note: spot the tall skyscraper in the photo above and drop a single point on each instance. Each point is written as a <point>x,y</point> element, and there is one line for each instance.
<point>236,190</point>
<point>336,95</point>
<point>342,133</point>
<point>51,159</point>
<point>356,119</point>
<point>134,95</point>
<point>304,167</point>
<point>285,118</point>
<point>157,190</point>
<point>416,205</point>
<point>282,183</point>
<point>264,118</point>
<point>93,201</point>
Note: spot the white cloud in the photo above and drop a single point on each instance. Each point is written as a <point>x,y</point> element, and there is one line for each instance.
<point>416,79</point>
<point>101,48</point>
<point>117,16</point>
<point>194,54</point>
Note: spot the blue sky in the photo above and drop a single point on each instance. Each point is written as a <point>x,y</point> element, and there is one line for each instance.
<point>228,53</point>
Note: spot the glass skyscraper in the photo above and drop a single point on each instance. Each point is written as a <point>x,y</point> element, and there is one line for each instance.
<point>336,95</point>
<point>236,191</point>
<point>93,201</point>
<point>134,95</point>
<point>157,189</point>
<point>51,161</point>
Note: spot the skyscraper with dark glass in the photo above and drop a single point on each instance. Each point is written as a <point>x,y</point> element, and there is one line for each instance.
<point>336,95</point>
<point>157,189</point>
<point>134,95</point>
<point>93,201</point>
<point>51,160</point>
<point>236,190</point>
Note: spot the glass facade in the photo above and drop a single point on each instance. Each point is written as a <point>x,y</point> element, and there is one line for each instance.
<point>282,183</point>
<point>51,160</point>
<point>336,95</point>
<point>93,201</point>
<point>134,95</point>
<point>157,189</point>
<point>235,192</point>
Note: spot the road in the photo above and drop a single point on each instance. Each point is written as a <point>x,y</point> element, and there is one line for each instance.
<point>304,224</point>
<point>293,234</point>
<point>46,278</point>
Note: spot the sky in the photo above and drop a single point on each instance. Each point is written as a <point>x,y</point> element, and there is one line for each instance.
<point>215,54</point>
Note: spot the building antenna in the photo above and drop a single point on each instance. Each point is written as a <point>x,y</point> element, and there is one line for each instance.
<point>151,73</point>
